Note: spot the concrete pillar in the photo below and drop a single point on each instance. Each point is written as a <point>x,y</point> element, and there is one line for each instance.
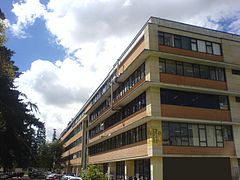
<point>112,171</point>
<point>151,37</point>
<point>152,69</point>
<point>153,101</point>
<point>234,168</point>
<point>156,168</point>
<point>154,138</point>
<point>129,169</point>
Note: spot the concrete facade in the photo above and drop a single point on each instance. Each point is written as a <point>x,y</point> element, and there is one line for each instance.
<point>128,124</point>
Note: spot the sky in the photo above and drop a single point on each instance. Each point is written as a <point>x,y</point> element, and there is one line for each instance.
<point>65,48</point>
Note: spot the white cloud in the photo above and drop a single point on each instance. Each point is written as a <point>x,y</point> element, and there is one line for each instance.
<point>95,33</point>
<point>26,12</point>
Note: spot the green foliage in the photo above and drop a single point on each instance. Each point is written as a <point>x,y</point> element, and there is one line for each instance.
<point>49,156</point>
<point>93,172</point>
<point>2,28</point>
<point>18,125</point>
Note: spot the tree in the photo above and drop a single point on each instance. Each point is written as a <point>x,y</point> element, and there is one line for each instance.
<point>54,138</point>
<point>50,155</point>
<point>18,124</point>
<point>2,28</point>
<point>93,172</point>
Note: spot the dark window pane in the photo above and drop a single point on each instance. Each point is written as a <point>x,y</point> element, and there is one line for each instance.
<point>168,39</point>
<point>179,68</point>
<point>196,70</point>
<point>162,65</point>
<point>236,72</point>
<point>171,67</point>
<point>161,38</point>
<point>177,41</point>
<point>204,72</point>
<point>186,43</point>
<point>188,69</point>
<point>223,102</point>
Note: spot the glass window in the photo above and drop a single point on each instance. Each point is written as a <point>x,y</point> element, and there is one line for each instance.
<point>216,49</point>
<point>165,133</point>
<point>209,47</point>
<point>223,102</point>
<point>175,135</point>
<point>220,74</point>
<point>186,43</point>
<point>201,46</point>
<point>211,136</point>
<point>237,99</point>
<point>162,65</point>
<point>227,133</point>
<point>179,68</point>
<point>204,72</point>
<point>196,70</point>
<point>184,134</point>
<point>177,41</point>
<point>168,39</point>
<point>188,69</point>
<point>170,67</point>
<point>161,38</point>
<point>235,71</point>
<point>194,44</point>
<point>212,72</point>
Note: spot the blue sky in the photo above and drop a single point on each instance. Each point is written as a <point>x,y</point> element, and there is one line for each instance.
<point>39,44</point>
<point>65,48</point>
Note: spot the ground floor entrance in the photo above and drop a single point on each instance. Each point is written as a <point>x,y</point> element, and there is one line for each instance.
<point>196,168</point>
<point>170,168</point>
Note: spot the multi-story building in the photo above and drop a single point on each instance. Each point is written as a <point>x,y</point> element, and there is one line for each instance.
<point>169,109</point>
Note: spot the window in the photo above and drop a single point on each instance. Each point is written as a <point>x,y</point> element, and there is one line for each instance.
<point>179,68</point>
<point>203,135</point>
<point>188,43</point>
<point>223,102</point>
<point>192,70</point>
<point>227,133</point>
<point>237,99</point>
<point>188,69</point>
<point>196,70</point>
<point>168,39</point>
<point>204,72</point>
<point>211,136</point>
<point>177,41</point>
<point>209,47</point>
<point>236,72</point>
<point>120,170</point>
<point>220,74</point>
<point>162,66</point>
<point>212,73</point>
<point>171,67</point>
<point>142,169</point>
<point>192,99</point>
<point>201,46</point>
<point>194,44</point>
<point>129,137</point>
<point>216,49</point>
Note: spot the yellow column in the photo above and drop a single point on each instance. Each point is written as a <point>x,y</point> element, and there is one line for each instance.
<point>152,69</point>
<point>112,171</point>
<point>156,168</point>
<point>154,138</point>
<point>129,169</point>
